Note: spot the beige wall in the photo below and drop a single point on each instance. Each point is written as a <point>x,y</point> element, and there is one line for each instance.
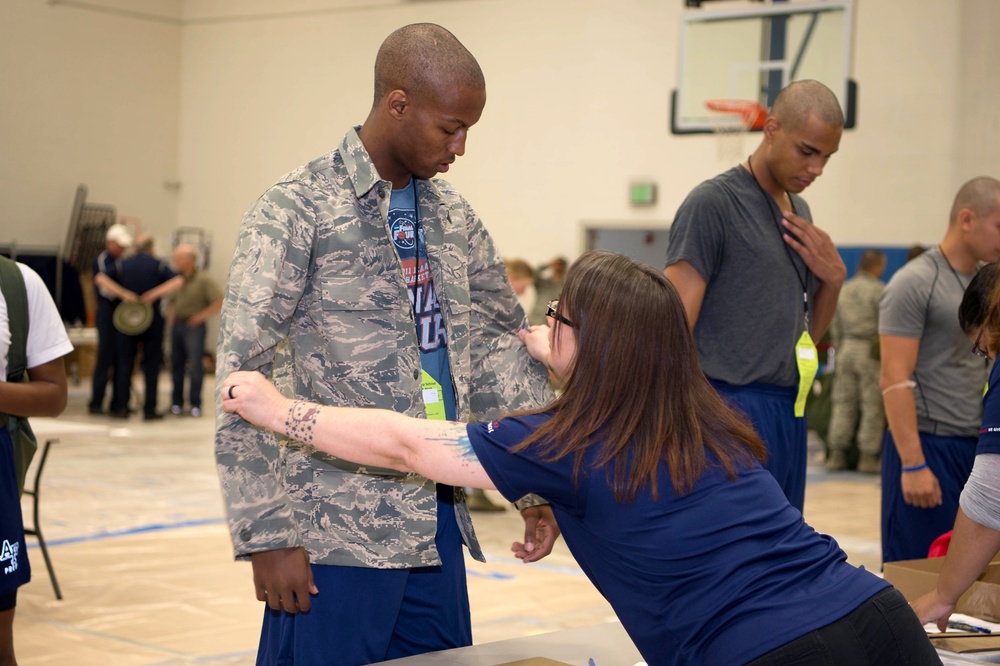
<point>978,100</point>
<point>226,102</point>
<point>87,98</point>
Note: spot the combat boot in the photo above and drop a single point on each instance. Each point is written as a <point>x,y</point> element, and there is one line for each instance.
<point>836,461</point>
<point>869,464</point>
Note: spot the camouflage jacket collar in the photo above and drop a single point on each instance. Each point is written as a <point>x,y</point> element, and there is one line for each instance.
<point>360,168</point>
<point>364,176</point>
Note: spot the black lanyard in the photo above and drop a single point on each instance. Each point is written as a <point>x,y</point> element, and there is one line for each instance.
<point>804,281</point>
<point>417,244</point>
<point>416,218</point>
<point>951,268</point>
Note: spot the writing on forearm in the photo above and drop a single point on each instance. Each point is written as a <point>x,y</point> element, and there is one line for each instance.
<point>301,421</point>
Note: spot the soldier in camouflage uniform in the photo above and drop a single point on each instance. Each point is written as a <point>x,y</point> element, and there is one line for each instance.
<point>856,390</point>
<point>322,298</point>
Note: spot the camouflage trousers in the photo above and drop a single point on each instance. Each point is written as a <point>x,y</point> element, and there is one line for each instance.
<point>856,400</point>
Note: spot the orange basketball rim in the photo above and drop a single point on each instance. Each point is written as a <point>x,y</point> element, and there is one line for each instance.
<point>751,113</point>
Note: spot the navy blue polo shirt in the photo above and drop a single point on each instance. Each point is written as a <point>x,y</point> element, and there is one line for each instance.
<point>989,433</point>
<point>721,575</point>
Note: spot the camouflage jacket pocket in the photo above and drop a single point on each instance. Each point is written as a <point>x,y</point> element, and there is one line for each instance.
<point>362,325</point>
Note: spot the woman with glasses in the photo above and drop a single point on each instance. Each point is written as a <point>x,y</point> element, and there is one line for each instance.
<point>656,485</point>
<point>975,540</point>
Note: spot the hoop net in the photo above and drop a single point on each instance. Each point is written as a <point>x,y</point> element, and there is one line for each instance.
<point>733,121</point>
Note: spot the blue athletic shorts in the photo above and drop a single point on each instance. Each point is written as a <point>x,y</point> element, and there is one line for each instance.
<point>14,568</point>
<point>907,531</point>
<point>363,615</point>
<point>771,410</point>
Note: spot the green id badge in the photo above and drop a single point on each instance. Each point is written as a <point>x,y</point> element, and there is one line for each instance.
<point>433,397</point>
<point>807,360</point>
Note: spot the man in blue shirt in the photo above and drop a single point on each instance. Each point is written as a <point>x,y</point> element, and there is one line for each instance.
<point>151,279</point>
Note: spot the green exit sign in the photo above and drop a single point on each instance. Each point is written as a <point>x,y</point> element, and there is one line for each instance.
<point>642,194</point>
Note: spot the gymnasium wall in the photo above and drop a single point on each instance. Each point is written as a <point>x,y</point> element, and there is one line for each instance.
<point>225,102</point>
<point>90,98</point>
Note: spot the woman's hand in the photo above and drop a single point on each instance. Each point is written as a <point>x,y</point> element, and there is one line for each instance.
<point>536,340</point>
<point>251,396</point>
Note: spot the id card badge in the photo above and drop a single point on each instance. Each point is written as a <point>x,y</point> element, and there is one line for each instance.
<point>433,397</point>
<point>807,360</point>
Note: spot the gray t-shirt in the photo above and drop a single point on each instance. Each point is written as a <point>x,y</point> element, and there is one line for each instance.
<point>921,301</point>
<point>752,315</point>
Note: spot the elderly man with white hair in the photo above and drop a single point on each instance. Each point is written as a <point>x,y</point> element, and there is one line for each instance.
<point>105,270</point>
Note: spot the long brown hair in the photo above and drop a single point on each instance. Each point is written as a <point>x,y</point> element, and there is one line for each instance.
<point>990,275</point>
<point>635,390</point>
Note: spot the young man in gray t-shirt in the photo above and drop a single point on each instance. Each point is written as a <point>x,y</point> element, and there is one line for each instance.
<point>755,275</point>
<point>932,384</point>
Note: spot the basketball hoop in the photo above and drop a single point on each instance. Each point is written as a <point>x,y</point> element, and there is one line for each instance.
<point>750,114</point>
<point>735,118</point>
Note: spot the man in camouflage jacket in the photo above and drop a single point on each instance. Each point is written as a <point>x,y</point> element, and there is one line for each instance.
<point>317,299</point>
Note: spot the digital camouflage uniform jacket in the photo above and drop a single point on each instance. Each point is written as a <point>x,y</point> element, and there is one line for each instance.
<point>857,309</point>
<point>316,299</point>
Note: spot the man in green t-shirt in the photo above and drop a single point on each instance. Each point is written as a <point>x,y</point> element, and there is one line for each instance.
<point>197,300</point>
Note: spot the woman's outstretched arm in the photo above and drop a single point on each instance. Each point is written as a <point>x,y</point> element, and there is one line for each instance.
<point>439,450</point>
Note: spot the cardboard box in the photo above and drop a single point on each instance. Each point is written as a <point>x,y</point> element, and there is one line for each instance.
<point>915,578</point>
<point>965,643</point>
<point>80,361</point>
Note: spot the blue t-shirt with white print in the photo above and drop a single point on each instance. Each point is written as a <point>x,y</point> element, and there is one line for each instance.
<point>408,236</point>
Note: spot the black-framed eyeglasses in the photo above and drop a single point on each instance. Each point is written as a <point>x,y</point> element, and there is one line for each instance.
<point>975,345</point>
<point>551,312</point>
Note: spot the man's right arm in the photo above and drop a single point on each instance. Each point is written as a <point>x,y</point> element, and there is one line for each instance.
<point>694,250</point>
<point>690,286</point>
<point>109,286</point>
<point>265,284</point>
<point>899,359</point>
<point>266,281</point>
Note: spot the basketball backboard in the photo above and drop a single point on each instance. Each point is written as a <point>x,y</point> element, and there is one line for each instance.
<point>751,53</point>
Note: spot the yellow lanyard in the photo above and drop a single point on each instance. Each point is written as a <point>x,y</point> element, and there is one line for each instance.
<point>807,360</point>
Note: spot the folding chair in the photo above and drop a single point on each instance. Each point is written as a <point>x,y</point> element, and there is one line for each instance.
<point>36,531</point>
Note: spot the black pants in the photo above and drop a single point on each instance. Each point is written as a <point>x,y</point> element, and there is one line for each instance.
<point>152,360</point>
<point>883,631</point>
<point>107,358</point>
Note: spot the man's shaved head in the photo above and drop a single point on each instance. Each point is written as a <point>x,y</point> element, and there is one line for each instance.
<point>800,99</point>
<point>979,195</point>
<point>419,57</point>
